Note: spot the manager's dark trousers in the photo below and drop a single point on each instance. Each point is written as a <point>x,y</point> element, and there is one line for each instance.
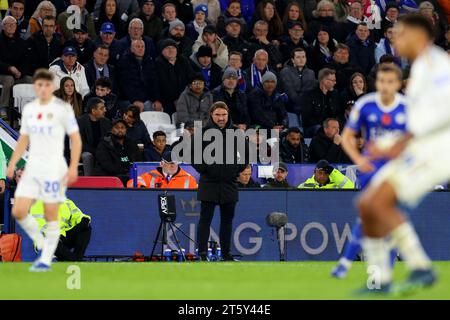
<point>226,225</point>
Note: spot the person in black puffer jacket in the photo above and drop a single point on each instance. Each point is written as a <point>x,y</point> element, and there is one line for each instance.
<point>115,153</point>
<point>293,148</point>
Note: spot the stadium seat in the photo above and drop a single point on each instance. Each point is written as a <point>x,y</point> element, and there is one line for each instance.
<point>97,182</point>
<point>155,117</point>
<point>155,121</point>
<point>22,94</point>
<point>174,118</point>
<point>293,120</point>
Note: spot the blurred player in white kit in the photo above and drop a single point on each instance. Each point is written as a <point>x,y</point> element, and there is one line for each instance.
<point>420,160</point>
<point>45,123</point>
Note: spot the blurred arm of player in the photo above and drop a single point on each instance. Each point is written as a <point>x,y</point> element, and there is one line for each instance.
<point>75,154</point>
<point>350,147</point>
<point>392,152</point>
<point>22,145</point>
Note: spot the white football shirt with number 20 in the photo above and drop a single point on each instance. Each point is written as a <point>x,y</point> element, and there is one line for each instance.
<point>47,125</point>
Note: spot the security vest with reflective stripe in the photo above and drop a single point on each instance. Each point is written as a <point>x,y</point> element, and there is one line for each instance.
<point>69,215</point>
<point>156,179</point>
<point>336,181</point>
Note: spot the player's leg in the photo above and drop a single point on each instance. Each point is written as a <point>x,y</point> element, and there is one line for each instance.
<point>26,221</point>
<point>352,249</point>
<point>52,233</point>
<point>379,215</point>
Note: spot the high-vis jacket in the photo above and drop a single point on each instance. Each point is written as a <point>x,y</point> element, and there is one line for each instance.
<point>336,181</point>
<point>69,215</point>
<point>155,179</point>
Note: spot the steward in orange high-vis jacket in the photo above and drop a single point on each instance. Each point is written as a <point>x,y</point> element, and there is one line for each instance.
<point>168,175</point>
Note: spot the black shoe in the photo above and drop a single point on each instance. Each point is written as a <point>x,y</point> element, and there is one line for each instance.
<point>203,257</point>
<point>228,257</point>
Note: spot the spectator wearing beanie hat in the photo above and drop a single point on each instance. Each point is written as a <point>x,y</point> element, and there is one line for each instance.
<point>195,27</point>
<point>212,40</point>
<point>173,73</point>
<point>202,62</point>
<point>267,107</point>
<point>195,101</point>
<point>213,9</point>
<point>177,32</point>
<point>236,100</point>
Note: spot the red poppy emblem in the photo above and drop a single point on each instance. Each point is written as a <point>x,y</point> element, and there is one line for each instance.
<point>386,119</point>
<point>39,116</point>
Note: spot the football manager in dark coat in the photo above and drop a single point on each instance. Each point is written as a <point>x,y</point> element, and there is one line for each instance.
<point>217,185</point>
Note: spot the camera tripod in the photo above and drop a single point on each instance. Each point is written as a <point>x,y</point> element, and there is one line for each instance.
<point>162,233</point>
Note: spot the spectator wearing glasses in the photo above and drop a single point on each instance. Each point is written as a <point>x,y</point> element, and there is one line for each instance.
<point>14,65</point>
<point>320,103</point>
<point>136,32</point>
<point>44,46</point>
<point>16,9</point>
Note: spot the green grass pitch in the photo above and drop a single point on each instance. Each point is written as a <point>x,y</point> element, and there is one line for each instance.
<point>240,280</point>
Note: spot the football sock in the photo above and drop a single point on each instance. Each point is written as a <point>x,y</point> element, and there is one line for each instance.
<point>405,238</point>
<point>377,253</point>
<point>51,242</point>
<point>31,227</point>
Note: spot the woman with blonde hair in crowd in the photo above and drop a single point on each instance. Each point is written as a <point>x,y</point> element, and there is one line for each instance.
<point>427,9</point>
<point>325,16</point>
<point>45,8</point>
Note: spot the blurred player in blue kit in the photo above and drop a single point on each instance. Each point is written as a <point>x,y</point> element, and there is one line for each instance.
<point>380,118</point>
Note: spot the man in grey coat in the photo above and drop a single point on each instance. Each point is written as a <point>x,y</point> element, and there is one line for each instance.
<point>297,78</point>
<point>195,101</point>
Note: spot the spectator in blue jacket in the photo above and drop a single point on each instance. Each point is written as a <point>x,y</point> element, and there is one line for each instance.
<point>268,107</point>
<point>137,79</point>
<point>362,48</point>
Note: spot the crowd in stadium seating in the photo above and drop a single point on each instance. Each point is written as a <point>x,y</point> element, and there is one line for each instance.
<point>294,66</point>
